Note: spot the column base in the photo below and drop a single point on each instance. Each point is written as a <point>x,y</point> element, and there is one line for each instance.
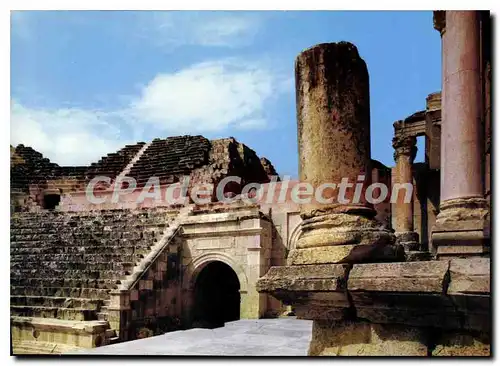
<point>462,228</point>
<point>344,238</point>
<point>409,240</point>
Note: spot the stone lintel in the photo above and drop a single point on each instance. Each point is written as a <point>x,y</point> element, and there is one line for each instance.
<point>312,289</point>
<point>49,191</point>
<point>413,277</point>
<point>448,294</point>
<point>305,278</point>
<point>406,293</point>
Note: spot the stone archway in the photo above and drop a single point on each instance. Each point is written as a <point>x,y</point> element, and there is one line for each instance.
<point>190,277</point>
<point>216,296</point>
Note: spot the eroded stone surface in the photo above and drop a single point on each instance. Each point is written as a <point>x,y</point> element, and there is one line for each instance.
<point>348,338</point>
<point>428,277</point>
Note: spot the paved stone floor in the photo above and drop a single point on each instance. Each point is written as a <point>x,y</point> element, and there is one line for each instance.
<point>262,337</point>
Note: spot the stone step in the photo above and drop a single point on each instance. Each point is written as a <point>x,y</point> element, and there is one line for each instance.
<point>76,292</point>
<point>57,231</point>
<point>57,302</point>
<point>88,265</point>
<point>65,282</point>
<point>89,242</point>
<point>56,273</point>
<point>48,223</point>
<point>88,250</point>
<point>53,312</point>
<point>76,257</point>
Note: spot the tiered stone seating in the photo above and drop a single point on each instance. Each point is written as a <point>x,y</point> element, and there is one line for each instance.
<point>112,164</point>
<point>34,168</point>
<point>72,171</point>
<point>28,166</point>
<point>169,159</point>
<point>64,265</point>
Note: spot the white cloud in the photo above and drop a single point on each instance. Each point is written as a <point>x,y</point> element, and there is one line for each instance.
<point>65,136</point>
<point>210,97</point>
<point>204,28</point>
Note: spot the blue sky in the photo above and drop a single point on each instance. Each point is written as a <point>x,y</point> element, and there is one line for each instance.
<point>85,83</point>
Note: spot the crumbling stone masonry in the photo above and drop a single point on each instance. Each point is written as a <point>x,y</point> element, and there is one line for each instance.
<point>384,305</point>
<point>86,275</point>
<point>333,112</point>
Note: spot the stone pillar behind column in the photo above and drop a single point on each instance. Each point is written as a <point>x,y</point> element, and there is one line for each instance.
<point>333,113</point>
<point>405,150</point>
<point>462,226</point>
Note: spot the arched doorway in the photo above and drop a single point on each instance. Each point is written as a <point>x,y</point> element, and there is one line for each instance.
<point>216,296</point>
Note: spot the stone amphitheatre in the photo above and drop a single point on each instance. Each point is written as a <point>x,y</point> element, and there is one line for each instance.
<point>387,279</point>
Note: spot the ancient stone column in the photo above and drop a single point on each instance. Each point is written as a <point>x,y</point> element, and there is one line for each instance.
<point>405,150</point>
<point>333,113</point>
<point>462,226</point>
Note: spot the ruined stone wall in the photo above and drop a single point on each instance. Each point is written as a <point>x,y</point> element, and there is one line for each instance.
<point>155,302</point>
<point>237,236</point>
<point>225,157</point>
<point>228,157</point>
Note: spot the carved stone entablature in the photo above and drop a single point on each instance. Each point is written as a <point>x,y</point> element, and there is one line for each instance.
<point>404,145</point>
<point>439,20</point>
<point>433,102</point>
<point>448,294</point>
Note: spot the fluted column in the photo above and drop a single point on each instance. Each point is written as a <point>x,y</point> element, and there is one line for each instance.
<point>462,226</point>
<point>333,113</point>
<point>405,150</point>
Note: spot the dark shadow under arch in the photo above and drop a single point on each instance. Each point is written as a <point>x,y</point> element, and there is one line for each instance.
<point>216,296</point>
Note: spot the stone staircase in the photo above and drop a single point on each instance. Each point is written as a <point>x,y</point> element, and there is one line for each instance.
<point>64,265</point>
<point>134,160</point>
<point>168,234</point>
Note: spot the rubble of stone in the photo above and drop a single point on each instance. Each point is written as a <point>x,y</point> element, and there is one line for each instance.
<point>410,278</point>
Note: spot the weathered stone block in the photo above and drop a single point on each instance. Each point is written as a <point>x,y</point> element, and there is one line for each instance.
<point>354,338</point>
<point>469,276</point>
<point>427,277</point>
<point>459,343</point>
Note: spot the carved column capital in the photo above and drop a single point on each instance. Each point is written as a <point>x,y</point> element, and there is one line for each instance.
<point>439,20</point>
<point>405,145</point>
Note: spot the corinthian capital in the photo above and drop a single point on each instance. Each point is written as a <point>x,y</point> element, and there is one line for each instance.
<point>439,20</point>
<point>405,145</point>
